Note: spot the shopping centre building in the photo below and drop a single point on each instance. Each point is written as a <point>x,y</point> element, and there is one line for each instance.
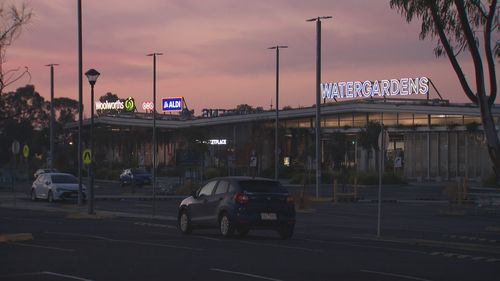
<point>429,139</point>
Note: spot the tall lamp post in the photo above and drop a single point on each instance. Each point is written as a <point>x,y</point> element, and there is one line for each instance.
<point>276,152</point>
<point>154,129</point>
<point>318,98</point>
<point>92,75</point>
<point>51,156</point>
<point>80,101</point>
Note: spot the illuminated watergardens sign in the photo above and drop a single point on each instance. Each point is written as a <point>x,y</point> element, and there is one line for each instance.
<point>127,105</point>
<point>171,104</point>
<point>367,89</point>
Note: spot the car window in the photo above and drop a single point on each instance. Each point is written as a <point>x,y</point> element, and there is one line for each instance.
<point>64,179</point>
<point>222,187</point>
<point>207,189</point>
<point>139,171</point>
<point>262,186</point>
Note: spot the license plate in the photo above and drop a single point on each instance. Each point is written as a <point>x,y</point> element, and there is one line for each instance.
<point>268,216</point>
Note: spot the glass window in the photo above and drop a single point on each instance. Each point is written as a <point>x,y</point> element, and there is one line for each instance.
<point>222,187</point>
<point>405,119</point>
<point>261,186</point>
<point>64,179</point>
<point>207,189</point>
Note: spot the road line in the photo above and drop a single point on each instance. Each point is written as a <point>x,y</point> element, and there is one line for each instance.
<point>208,238</point>
<point>126,241</point>
<point>245,274</point>
<point>395,275</point>
<point>43,247</point>
<point>155,225</point>
<point>278,246</point>
<point>367,246</point>
<point>65,276</point>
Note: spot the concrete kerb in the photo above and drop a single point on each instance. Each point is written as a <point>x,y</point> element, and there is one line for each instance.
<point>15,237</point>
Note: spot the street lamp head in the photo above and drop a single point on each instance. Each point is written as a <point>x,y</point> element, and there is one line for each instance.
<point>277,47</point>
<point>319,18</point>
<point>154,54</point>
<point>92,75</point>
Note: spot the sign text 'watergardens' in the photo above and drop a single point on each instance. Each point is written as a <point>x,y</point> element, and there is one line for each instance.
<point>367,89</point>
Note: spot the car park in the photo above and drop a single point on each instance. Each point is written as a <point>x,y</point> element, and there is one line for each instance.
<point>135,176</point>
<point>239,204</point>
<point>55,186</point>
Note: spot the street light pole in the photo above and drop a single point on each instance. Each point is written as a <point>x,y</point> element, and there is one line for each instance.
<point>276,151</point>
<point>80,102</point>
<point>318,99</point>
<point>154,129</point>
<point>92,75</point>
<point>51,155</point>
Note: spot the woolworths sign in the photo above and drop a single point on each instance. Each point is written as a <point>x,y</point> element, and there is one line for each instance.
<point>382,88</point>
<point>128,105</point>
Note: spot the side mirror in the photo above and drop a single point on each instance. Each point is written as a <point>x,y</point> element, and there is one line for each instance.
<point>47,183</point>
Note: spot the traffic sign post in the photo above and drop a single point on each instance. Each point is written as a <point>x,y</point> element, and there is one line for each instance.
<point>87,156</point>
<point>26,151</point>
<point>383,142</point>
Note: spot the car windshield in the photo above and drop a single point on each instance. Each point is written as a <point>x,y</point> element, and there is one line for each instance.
<point>139,171</point>
<point>256,186</point>
<point>64,179</point>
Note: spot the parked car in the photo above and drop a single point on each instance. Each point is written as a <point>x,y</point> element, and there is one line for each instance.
<point>55,186</point>
<point>238,204</point>
<point>137,176</point>
<point>42,171</point>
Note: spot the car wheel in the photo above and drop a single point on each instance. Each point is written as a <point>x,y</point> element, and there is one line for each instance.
<point>184,222</point>
<point>50,197</point>
<point>242,231</point>
<point>286,232</point>
<point>33,195</point>
<point>225,226</point>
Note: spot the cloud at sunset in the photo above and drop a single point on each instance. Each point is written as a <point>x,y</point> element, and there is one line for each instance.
<point>215,52</point>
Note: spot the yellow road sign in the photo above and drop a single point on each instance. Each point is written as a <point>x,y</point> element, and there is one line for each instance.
<point>26,151</point>
<point>87,156</point>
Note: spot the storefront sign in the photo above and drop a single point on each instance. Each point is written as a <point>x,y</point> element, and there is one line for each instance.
<point>217,142</point>
<point>367,89</point>
<point>127,105</point>
<point>171,104</point>
<point>147,105</point>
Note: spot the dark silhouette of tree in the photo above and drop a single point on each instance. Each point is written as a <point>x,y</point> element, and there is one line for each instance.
<point>12,20</point>
<point>458,25</point>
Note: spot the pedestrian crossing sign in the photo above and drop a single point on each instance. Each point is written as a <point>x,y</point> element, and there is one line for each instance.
<point>87,156</point>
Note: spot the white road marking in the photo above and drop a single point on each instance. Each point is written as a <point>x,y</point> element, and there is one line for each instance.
<point>278,246</point>
<point>126,241</point>
<point>155,225</point>
<point>65,276</point>
<point>43,247</point>
<point>367,246</point>
<point>245,274</point>
<point>396,275</point>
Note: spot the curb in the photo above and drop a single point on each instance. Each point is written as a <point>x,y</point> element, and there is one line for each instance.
<point>16,237</point>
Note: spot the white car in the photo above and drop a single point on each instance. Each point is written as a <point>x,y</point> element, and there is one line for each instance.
<point>42,171</point>
<point>55,186</point>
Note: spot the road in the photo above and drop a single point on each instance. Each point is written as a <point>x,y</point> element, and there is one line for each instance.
<point>419,241</point>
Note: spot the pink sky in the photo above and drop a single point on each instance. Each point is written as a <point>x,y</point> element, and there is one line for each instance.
<point>215,52</point>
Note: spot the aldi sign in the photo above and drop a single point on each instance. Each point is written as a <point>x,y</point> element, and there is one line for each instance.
<point>168,104</point>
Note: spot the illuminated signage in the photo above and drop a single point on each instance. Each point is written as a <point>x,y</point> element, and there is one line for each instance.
<point>147,105</point>
<point>171,104</point>
<point>127,105</point>
<point>217,142</point>
<point>367,89</point>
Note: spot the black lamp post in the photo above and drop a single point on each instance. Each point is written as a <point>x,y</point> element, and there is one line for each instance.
<point>154,55</point>
<point>276,150</point>
<point>51,162</point>
<point>318,99</point>
<point>92,75</point>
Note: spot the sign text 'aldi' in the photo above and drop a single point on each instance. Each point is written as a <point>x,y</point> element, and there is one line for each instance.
<point>171,104</point>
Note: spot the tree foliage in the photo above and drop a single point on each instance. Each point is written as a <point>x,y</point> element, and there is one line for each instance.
<point>12,19</point>
<point>465,25</point>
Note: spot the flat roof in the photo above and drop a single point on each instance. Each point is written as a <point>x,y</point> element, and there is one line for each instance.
<point>432,107</point>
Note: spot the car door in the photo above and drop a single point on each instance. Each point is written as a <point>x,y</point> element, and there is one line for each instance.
<point>216,201</point>
<point>42,187</point>
<point>200,208</point>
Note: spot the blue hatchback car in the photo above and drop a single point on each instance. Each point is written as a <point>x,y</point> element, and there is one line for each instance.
<point>135,176</point>
<point>238,204</point>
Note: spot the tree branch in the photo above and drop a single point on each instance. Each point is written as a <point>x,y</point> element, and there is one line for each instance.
<point>449,50</point>
<point>471,41</point>
<point>489,53</point>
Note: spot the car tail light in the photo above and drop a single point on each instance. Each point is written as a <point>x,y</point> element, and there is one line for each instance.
<point>241,198</point>
<point>290,200</point>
